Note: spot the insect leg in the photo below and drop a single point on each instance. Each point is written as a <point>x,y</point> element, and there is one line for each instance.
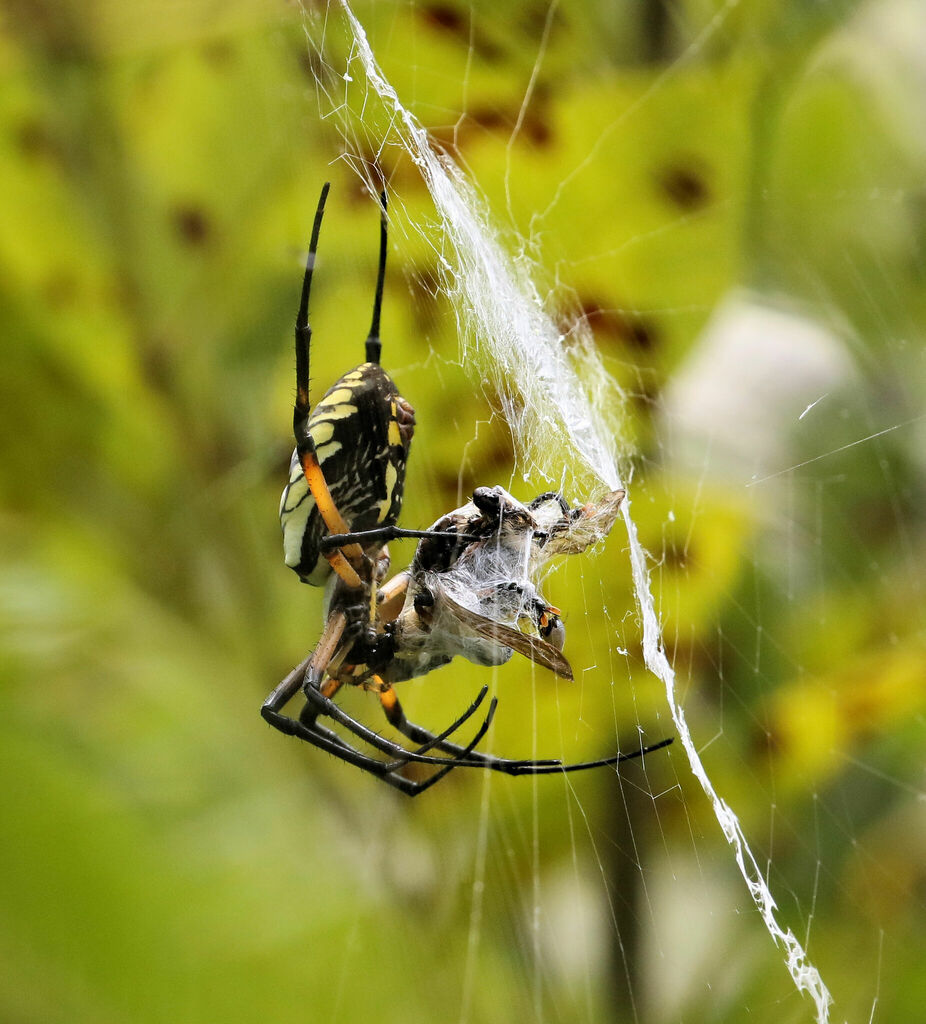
<point>550,496</point>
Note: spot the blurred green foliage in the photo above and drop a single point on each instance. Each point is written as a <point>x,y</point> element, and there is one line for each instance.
<point>165,856</point>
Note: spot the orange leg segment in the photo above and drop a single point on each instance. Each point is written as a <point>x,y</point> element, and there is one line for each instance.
<point>392,596</point>
<point>344,569</point>
<point>330,687</point>
<point>391,706</point>
<point>345,560</point>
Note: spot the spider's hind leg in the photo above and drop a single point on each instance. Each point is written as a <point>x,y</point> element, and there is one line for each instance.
<point>467,757</point>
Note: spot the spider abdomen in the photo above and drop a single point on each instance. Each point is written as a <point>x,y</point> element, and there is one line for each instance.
<point>362,429</point>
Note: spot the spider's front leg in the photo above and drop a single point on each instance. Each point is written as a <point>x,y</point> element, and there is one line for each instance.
<point>348,470</point>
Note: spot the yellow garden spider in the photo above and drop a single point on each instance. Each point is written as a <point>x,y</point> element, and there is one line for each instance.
<point>471,588</point>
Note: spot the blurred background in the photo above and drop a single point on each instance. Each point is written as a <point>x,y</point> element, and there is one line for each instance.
<point>733,197</point>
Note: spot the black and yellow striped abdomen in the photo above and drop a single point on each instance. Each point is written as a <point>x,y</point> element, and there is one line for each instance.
<point>362,429</point>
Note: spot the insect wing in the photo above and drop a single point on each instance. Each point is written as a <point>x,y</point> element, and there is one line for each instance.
<point>532,647</point>
<point>571,535</point>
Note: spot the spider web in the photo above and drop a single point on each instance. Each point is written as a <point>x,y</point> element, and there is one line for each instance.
<point>550,382</point>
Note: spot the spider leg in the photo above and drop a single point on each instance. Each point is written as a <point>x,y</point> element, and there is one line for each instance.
<point>391,596</point>
<point>309,730</point>
<point>325,739</point>
<point>468,758</point>
<point>321,705</point>
<point>385,534</point>
<point>395,714</point>
<point>349,558</point>
<point>316,663</point>
<point>424,784</point>
<point>412,787</point>
<point>510,767</point>
<point>303,328</point>
<point>310,675</point>
<point>345,559</point>
<point>344,569</point>
<point>282,694</point>
<point>320,736</point>
<point>373,344</point>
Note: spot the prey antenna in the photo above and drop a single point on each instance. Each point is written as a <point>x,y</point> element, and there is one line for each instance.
<point>374,345</point>
<point>303,330</point>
